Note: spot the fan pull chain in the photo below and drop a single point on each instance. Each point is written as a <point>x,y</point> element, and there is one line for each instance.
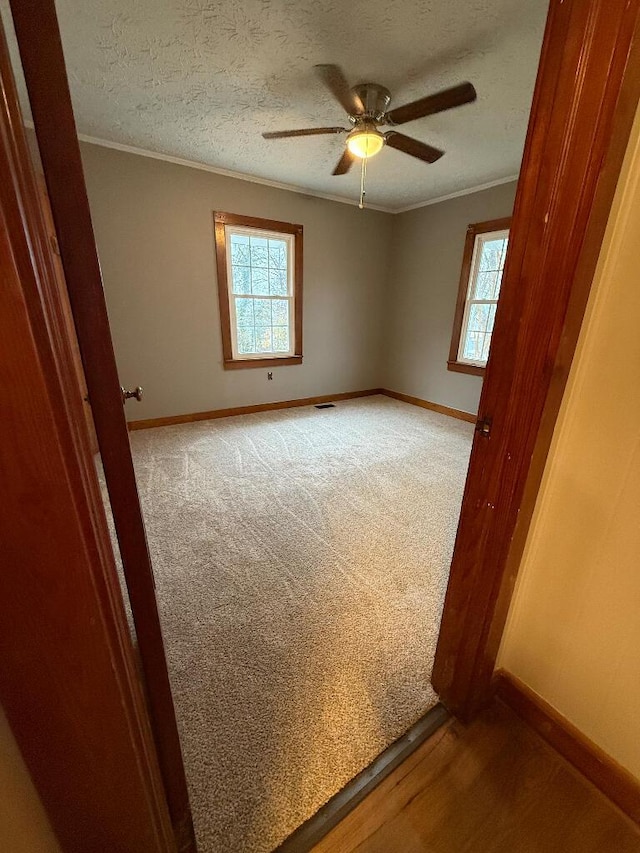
<point>363,177</point>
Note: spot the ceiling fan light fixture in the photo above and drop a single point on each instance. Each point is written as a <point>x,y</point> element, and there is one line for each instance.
<point>365,142</point>
<point>367,108</point>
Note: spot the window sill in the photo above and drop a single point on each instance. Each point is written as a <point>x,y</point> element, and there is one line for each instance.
<point>241,363</point>
<point>461,367</point>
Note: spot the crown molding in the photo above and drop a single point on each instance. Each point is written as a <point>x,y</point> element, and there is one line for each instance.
<point>254,179</point>
<point>226,173</point>
<point>477,189</point>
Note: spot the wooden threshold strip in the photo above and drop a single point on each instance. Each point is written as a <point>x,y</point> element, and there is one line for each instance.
<point>324,820</point>
<point>613,780</point>
<point>192,417</point>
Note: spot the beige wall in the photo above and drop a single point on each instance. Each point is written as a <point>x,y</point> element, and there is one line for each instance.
<point>154,230</point>
<point>24,827</point>
<point>426,258</point>
<point>574,629</point>
<point>379,290</point>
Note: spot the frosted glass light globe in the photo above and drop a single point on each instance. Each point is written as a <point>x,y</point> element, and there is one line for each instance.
<point>365,143</point>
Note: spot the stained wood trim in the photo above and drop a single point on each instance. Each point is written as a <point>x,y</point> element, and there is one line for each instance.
<point>314,830</point>
<point>42,59</point>
<point>610,171</point>
<point>68,679</point>
<point>242,363</point>
<point>584,103</point>
<point>152,423</point>
<point>463,286</point>
<point>615,782</point>
<point>66,308</point>
<point>171,420</point>
<point>220,220</point>
<point>257,222</point>
<point>459,367</point>
<point>434,407</point>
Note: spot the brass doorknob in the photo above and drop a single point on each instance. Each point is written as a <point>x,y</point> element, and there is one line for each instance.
<point>128,395</point>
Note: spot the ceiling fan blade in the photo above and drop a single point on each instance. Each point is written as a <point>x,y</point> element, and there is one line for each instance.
<point>336,82</point>
<point>445,100</point>
<point>413,147</point>
<point>344,163</point>
<point>307,131</point>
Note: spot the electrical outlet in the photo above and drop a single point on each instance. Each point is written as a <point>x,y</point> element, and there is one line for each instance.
<point>269,375</point>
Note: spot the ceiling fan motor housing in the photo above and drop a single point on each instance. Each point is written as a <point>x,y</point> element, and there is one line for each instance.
<point>375,100</point>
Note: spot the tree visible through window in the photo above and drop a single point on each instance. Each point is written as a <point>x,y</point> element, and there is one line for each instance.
<point>260,287</point>
<point>262,294</point>
<point>482,268</point>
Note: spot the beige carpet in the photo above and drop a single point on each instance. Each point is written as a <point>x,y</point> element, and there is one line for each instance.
<point>301,559</point>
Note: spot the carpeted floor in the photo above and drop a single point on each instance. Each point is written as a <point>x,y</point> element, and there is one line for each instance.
<point>301,559</point>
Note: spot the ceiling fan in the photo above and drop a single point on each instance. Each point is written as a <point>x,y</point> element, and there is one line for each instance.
<point>367,109</point>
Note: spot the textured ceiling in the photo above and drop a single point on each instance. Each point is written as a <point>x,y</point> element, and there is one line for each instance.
<point>200,80</point>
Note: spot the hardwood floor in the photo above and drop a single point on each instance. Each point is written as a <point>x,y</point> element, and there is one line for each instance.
<point>492,787</point>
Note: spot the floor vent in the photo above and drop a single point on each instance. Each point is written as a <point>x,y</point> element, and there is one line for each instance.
<point>326,406</point>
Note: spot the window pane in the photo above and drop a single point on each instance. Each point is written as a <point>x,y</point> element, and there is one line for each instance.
<point>485,347</point>
<point>281,339</point>
<point>277,254</point>
<point>239,249</point>
<point>259,254</point>
<point>505,244</point>
<point>492,255</point>
<point>246,341</point>
<point>487,285</point>
<point>478,318</point>
<point>241,278</point>
<point>259,281</point>
<point>259,271</point>
<point>473,345</point>
<point>263,339</point>
<point>478,332</point>
<point>278,282</point>
<point>492,317</point>
<point>482,296</point>
<point>262,311</point>
<point>244,312</point>
<point>280,309</point>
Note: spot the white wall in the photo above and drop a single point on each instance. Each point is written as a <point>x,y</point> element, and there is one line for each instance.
<point>24,827</point>
<point>154,230</point>
<point>573,633</point>
<point>426,259</point>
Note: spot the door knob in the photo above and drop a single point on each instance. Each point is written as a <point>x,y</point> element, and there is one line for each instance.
<point>127,395</point>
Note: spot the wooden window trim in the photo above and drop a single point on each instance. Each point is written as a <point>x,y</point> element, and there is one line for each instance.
<point>220,221</point>
<point>467,257</point>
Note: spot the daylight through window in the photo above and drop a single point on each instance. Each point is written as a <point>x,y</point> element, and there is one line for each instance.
<point>262,292</point>
<point>480,283</point>
<point>259,272</point>
<point>482,299</point>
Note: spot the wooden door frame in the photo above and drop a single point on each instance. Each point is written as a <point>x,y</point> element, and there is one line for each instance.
<point>574,151</point>
<point>68,679</point>
<point>583,109</point>
<point>42,57</point>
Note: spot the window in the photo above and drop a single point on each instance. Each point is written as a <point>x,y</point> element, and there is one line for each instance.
<point>259,264</point>
<point>482,266</point>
